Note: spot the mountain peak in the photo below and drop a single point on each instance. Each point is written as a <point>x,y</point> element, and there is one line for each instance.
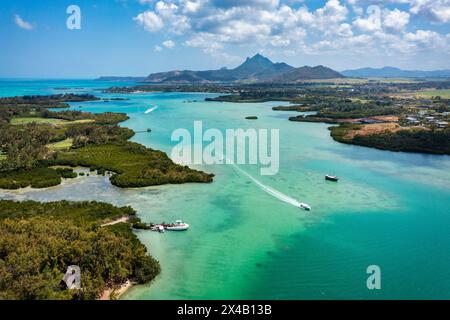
<point>253,69</point>
<point>259,67</point>
<point>259,56</point>
<point>258,59</point>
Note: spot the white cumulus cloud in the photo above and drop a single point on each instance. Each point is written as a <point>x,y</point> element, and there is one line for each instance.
<point>436,10</point>
<point>291,27</point>
<point>22,23</point>
<point>150,21</point>
<point>168,44</point>
<point>396,20</point>
<point>372,22</point>
<point>426,38</point>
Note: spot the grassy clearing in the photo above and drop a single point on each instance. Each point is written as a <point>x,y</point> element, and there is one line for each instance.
<point>2,155</point>
<point>61,145</point>
<point>350,81</point>
<point>394,80</point>
<point>359,100</point>
<point>443,93</point>
<point>55,122</point>
<point>337,81</point>
<point>425,94</point>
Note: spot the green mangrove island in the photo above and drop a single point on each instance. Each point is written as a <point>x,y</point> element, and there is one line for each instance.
<point>38,241</point>
<point>35,140</point>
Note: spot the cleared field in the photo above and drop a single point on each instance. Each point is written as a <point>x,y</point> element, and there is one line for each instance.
<point>394,80</point>
<point>386,118</point>
<point>443,93</point>
<point>56,122</point>
<point>370,129</point>
<point>359,100</point>
<point>61,145</point>
<point>347,82</point>
<point>337,81</point>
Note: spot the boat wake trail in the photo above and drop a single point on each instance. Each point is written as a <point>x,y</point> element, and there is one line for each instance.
<point>275,193</point>
<point>151,109</point>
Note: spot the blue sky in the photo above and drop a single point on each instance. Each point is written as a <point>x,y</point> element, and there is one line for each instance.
<point>138,37</point>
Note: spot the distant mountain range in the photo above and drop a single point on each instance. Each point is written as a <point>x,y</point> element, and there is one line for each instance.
<point>308,73</point>
<point>260,69</point>
<point>255,69</point>
<point>123,79</point>
<point>392,72</point>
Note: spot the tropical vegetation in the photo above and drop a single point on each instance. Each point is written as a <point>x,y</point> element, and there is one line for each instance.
<point>38,241</point>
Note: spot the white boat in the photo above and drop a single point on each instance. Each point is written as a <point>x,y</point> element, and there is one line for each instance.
<point>151,109</point>
<point>179,225</point>
<point>305,206</point>
<point>331,178</point>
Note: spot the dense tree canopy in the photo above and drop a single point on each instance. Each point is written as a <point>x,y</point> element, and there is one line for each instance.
<point>38,241</point>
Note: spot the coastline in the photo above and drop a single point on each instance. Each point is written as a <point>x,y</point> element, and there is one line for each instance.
<point>171,284</point>
<point>159,169</point>
<point>389,137</point>
<point>116,293</point>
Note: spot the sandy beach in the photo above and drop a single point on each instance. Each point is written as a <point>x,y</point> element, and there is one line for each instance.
<point>115,293</point>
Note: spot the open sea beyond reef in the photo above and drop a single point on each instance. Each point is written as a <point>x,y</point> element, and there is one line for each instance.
<point>389,209</point>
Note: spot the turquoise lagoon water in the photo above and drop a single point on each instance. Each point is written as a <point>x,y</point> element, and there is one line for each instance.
<point>389,209</point>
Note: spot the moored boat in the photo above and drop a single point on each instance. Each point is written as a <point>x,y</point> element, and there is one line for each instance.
<point>179,225</point>
<point>331,178</point>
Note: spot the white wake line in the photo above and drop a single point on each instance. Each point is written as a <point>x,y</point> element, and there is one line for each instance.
<point>151,109</point>
<point>275,193</point>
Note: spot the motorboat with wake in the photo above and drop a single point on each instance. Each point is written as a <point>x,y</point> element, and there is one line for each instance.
<point>153,108</point>
<point>304,206</point>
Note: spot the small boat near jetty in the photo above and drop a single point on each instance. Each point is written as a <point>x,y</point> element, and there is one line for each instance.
<point>331,178</point>
<point>178,225</point>
<point>144,131</point>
